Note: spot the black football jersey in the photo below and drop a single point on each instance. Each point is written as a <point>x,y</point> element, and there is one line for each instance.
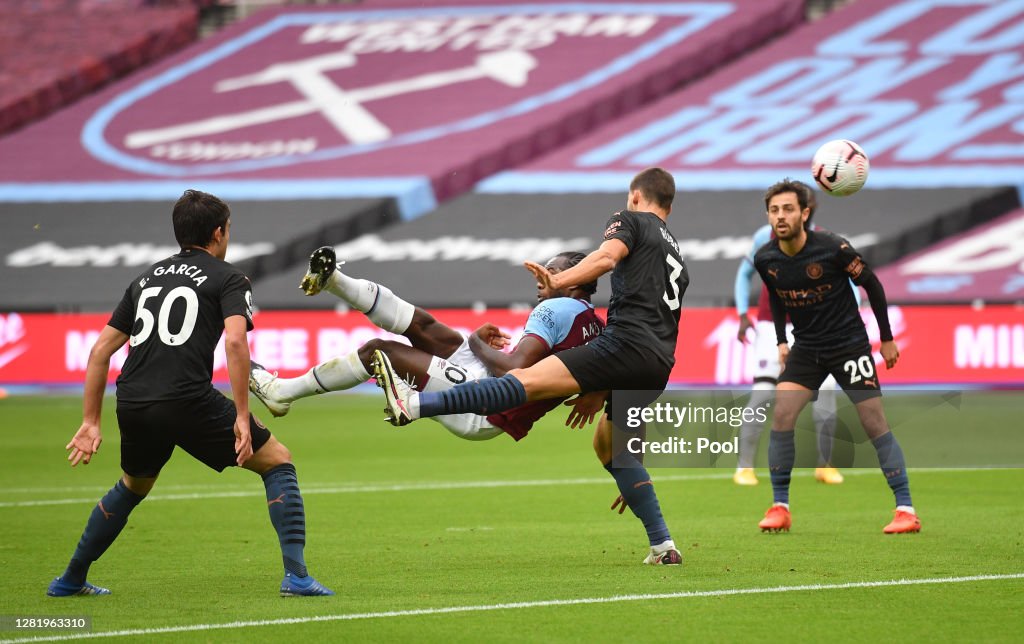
<point>648,285</point>
<point>814,287</point>
<point>174,315</point>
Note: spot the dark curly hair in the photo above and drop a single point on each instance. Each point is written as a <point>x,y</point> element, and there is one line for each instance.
<point>571,258</point>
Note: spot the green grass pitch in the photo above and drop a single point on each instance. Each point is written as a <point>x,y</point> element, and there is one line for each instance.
<point>413,518</point>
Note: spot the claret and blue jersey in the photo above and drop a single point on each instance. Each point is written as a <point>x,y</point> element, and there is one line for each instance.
<point>563,323</point>
<point>560,323</point>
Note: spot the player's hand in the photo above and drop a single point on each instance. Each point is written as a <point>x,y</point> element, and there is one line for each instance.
<point>84,444</point>
<point>544,277</point>
<point>584,408</point>
<point>493,337</point>
<point>243,440</point>
<point>783,354</point>
<point>620,504</point>
<point>745,325</point>
<point>890,353</point>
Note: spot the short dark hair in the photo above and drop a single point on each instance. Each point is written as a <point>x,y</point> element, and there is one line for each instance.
<point>571,258</point>
<point>196,215</point>
<point>656,185</point>
<point>812,202</point>
<point>803,193</point>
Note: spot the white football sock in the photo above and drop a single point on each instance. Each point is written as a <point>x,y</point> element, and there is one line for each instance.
<point>381,305</point>
<point>336,374</point>
<point>291,389</point>
<point>343,372</point>
<point>783,505</point>
<point>414,405</point>
<point>360,294</point>
<point>664,546</point>
<point>391,313</point>
<point>906,508</point>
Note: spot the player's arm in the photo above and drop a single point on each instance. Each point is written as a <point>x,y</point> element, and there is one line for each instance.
<point>779,320</point>
<point>741,293</point>
<point>236,346</point>
<point>778,309</point>
<point>862,275</point>
<point>591,267</point>
<point>741,289</point>
<point>528,352</point>
<point>880,307</point>
<point>87,439</point>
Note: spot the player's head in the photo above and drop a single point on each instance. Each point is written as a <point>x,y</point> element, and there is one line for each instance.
<point>654,187</point>
<point>559,263</point>
<point>201,220</point>
<point>787,209</point>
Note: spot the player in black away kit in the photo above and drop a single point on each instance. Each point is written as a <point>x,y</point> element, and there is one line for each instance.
<point>808,277</point>
<point>636,351</point>
<point>172,316</point>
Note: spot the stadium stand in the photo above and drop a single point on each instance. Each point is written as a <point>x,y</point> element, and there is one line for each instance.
<point>78,46</point>
<point>477,241</point>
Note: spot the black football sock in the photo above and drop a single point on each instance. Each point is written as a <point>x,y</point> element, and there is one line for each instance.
<point>107,520</point>
<point>484,396</point>
<point>637,491</point>
<point>890,457</point>
<point>288,515</point>
<point>781,455</point>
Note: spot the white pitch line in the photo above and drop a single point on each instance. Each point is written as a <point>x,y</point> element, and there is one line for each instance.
<point>442,485</point>
<point>446,610</point>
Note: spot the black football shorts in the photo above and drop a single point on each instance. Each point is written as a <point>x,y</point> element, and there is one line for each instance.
<point>203,427</point>
<point>853,368</point>
<point>606,363</point>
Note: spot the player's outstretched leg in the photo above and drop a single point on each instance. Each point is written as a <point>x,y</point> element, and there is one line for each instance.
<point>384,308</point>
<point>288,516</point>
<point>781,455</point>
<point>893,464</point>
<point>790,399</point>
<point>636,491</point>
<point>278,394</point>
<point>107,520</point>
<point>890,458</point>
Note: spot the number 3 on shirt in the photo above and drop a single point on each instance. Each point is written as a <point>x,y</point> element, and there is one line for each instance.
<point>188,324</point>
<point>673,277</point>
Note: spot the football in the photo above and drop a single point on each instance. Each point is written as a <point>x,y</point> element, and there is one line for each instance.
<point>840,167</point>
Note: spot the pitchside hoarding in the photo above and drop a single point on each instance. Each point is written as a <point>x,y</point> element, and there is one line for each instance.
<point>933,90</point>
<point>939,345</point>
<point>407,99</point>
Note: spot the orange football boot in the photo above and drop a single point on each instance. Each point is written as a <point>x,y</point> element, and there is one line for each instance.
<point>776,519</point>
<point>903,522</point>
